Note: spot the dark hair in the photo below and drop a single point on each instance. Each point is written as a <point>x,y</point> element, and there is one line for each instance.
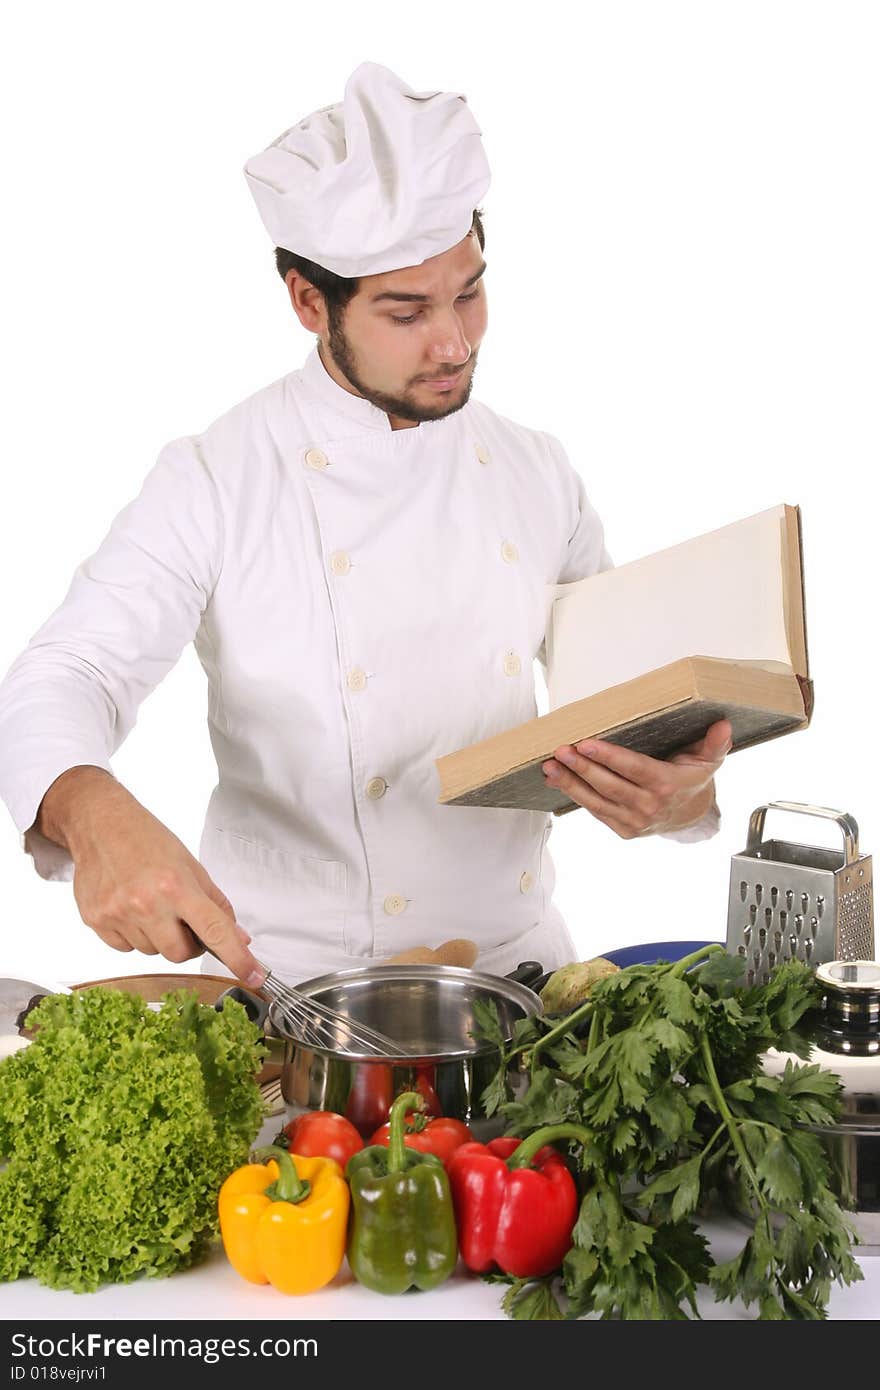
<point>338,289</point>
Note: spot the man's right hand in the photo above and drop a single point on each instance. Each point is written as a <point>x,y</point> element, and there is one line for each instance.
<point>135,883</point>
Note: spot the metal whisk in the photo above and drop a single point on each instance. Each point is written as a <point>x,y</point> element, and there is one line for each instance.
<point>316,1025</point>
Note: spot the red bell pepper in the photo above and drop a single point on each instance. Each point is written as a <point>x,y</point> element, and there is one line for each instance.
<point>515,1202</point>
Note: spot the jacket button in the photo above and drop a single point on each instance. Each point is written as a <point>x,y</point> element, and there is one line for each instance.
<point>395,904</point>
<point>316,458</point>
<point>512,664</point>
<point>482,453</point>
<point>525,882</point>
<point>376,788</point>
<point>339,562</point>
<point>509,552</point>
<point>357,679</point>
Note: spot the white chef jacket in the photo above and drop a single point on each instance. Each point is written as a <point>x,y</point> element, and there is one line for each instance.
<point>362,600</point>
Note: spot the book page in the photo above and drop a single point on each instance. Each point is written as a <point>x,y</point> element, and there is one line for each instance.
<point>719,595</point>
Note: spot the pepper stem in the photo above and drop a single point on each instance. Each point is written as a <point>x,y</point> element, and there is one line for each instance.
<point>407,1100</point>
<point>523,1155</point>
<point>288,1186</point>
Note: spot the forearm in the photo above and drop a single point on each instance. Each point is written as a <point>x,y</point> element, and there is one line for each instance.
<point>79,805</point>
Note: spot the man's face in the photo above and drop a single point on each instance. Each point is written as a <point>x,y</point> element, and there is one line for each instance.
<point>408,340</point>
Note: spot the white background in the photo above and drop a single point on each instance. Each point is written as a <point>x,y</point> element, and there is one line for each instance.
<point>684,284</point>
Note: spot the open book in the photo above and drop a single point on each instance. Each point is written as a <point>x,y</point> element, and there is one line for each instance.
<point>648,655</point>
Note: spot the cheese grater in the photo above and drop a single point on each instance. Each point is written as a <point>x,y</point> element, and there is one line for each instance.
<point>790,900</point>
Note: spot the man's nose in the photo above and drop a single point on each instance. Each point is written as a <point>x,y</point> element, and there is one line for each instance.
<point>448,343</point>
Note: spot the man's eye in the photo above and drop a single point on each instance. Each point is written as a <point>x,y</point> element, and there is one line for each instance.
<point>411,318</point>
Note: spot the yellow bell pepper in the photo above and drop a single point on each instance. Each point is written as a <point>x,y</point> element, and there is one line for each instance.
<point>284,1222</point>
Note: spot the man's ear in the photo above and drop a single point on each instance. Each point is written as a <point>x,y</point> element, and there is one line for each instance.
<point>308,302</point>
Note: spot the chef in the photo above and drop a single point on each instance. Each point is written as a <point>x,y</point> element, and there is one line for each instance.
<point>360,553</point>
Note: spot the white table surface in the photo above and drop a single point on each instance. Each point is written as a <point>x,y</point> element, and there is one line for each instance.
<point>213,1291</point>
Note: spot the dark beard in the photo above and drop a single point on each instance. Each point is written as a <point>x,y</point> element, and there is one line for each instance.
<point>399,406</point>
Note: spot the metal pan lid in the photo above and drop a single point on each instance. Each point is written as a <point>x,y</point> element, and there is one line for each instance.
<point>850,976</point>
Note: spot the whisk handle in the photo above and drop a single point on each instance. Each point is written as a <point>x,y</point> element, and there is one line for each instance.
<point>257,1009</point>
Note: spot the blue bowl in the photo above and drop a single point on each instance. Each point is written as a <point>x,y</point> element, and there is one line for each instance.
<point>651,951</point>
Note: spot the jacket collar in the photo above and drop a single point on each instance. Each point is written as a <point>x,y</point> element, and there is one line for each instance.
<point>315,377</point>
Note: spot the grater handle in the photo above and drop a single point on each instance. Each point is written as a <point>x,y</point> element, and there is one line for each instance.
<point>844,820</point>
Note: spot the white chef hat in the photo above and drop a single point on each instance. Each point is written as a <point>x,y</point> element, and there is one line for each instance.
<point>382,180</point>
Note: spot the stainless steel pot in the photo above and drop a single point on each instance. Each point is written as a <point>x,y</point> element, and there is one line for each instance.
<point>430,1009</point>
<point>848,1044</point>
<point>849,1036</point>
<point>853,1150</point>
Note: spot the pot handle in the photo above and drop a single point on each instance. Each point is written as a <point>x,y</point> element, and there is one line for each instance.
<point>257,1009</point>
<point>32,1003</point>
<point>527,973</point>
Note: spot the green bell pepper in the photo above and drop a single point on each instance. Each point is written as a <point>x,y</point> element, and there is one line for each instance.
<point>403,1224</point>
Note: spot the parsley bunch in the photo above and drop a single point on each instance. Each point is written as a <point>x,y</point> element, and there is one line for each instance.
<point>662,1067</point>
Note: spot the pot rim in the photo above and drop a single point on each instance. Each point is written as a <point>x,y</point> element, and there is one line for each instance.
<point>494,986</point>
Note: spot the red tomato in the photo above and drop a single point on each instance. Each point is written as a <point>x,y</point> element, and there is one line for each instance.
<point>441,1136</point>
<point>323,1134</point>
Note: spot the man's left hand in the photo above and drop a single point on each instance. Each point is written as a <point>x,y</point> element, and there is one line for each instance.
<point>637,795</point>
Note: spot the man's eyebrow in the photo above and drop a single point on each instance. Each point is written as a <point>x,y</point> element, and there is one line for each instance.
<point>423,298</point>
